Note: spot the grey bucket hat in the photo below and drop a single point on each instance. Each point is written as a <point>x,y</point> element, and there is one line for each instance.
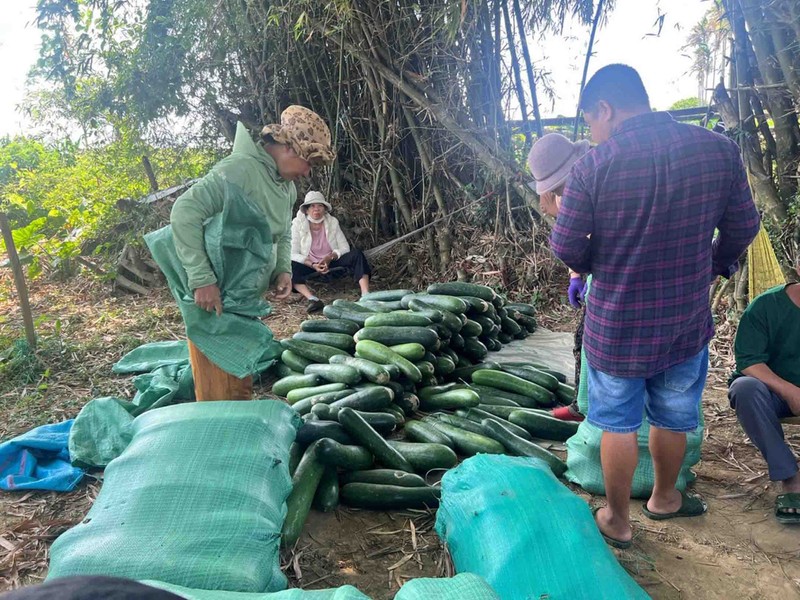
<point>551,159</point>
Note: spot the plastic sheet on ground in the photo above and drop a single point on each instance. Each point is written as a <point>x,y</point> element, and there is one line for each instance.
<point>464,586</point>
<point>346,592</point>
<point>550,348</point>
<point>510,521</point>
<point>197,499</point>
<point>39,460</point>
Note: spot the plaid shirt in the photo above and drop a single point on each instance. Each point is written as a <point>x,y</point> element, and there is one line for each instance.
<point>650,198</point>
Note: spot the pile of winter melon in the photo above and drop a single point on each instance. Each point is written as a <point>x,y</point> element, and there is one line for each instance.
<point>395,387</point>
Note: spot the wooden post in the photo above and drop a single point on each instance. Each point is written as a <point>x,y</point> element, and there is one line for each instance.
<point>19,280</point>
<point>151,176</point>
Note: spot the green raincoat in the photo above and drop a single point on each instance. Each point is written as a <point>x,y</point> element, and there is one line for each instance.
<point>232,228</point>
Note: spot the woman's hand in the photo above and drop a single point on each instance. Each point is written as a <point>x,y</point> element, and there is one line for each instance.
<point>283,285</point>
<point>208,298</point>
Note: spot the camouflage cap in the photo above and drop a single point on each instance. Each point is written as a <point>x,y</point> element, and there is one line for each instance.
<point>306,133</point>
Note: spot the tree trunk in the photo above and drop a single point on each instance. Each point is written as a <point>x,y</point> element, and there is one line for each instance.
<point>766,195</point>
<point>778,101</point>
<point>429,102</point>
<point>595,21</point>
<point>151,176</point>
<point>445,242</point>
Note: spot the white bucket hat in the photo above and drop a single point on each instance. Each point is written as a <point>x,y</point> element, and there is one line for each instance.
<point>551,159</point>
<point>314,197</point>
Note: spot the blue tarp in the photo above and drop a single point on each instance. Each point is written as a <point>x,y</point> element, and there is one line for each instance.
<point>39,460</point>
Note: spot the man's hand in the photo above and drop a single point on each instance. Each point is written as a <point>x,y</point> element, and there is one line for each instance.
<point>786,390</point>
<point>792,398</point>
<point>283,286</point>
<point>549,204</point>
<point>208,298</point>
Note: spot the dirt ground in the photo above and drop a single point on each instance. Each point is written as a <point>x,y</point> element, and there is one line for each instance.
<point>737,550</point>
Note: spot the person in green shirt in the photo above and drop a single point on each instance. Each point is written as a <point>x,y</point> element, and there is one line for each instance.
<point>766,385</point>
<point>260,178</point>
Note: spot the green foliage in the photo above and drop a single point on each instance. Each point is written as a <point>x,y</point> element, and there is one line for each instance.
<point>19,364</point>
<point>692,102</point>
<point>62,200</point>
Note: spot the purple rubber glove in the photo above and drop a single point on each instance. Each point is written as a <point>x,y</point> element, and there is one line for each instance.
<point>577,289</point>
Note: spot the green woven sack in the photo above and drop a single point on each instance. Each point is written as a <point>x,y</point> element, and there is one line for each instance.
<point>346,592</point>
<point>197,499</point>
<point>583,460</point>
<point>511,522</point>
<point>464,586</point>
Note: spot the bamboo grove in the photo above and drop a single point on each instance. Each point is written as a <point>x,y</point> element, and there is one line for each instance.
<point>418,95</point>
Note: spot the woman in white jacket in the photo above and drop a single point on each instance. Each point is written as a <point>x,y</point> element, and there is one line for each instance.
<point>318,245</point>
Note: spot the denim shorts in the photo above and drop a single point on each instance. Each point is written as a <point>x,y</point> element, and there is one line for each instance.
<point>670,400</point>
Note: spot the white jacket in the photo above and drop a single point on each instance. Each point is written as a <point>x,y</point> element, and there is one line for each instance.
<point>301,237</point>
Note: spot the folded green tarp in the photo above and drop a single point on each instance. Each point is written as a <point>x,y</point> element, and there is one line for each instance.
<point>197,499</point>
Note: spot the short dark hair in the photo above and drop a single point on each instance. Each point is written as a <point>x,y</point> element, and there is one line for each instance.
<point>619,85</point>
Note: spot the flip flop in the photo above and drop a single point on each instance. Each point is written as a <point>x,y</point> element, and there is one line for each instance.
<point>784,502</point>
<point>691,506</point>
<point>613,542</point>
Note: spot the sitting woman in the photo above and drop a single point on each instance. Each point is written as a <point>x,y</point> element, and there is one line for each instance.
<point>318,246</point>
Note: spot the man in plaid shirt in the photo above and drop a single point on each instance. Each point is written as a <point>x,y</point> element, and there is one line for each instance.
<point>639,212</point>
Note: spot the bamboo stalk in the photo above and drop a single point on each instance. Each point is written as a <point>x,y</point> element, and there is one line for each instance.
<point>445,244</point>
<point>19,280</point>
<point>595,21</point>
<point>523,39</point>
<point>512,51</point>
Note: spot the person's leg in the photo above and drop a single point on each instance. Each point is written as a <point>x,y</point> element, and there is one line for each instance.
<point>574,413</point>
<point>305,291</point>
<point>212,383</point>
<point>357,263</point>
<point>673,409</point>
<point>363,284</point>
<point>667,449</point>
<point>619,453</point>
<point>616,405</point>
<point>759,411</point>
<point>300,273</point>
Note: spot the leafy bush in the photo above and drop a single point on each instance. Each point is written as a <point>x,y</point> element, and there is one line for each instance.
<point>62,200</point>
